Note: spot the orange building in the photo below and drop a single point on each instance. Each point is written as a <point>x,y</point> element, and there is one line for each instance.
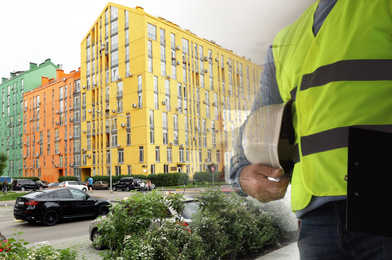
<point>48,130</point>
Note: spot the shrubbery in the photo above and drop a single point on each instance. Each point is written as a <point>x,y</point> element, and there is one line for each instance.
<point>169,179</point>
<point>16,250</point>
<point>225,227</point>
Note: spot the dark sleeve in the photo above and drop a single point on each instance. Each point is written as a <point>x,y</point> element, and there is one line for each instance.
<point>267,94</point>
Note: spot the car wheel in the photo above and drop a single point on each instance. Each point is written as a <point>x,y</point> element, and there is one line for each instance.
<point>50,218</point>
<point>22,188</point>
<point>103,210</point>
<point>96,234</point>
<point>84,189</point>
<point>127,188</point>
<point>114,188</point>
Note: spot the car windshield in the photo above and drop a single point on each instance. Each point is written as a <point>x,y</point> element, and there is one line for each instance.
<point>190,209</point>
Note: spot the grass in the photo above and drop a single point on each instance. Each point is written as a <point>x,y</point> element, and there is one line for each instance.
<point>11,196</point>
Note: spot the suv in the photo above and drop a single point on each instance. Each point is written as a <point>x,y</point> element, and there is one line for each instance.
<point>128,183</point>
<point>24,184</point>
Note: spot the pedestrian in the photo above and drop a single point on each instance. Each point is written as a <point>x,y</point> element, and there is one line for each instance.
<point>5,187</point>
<point>333,65</point>
<point>90,184</point>
<point>149,188</point>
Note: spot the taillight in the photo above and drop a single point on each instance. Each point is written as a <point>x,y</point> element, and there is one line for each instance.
<point>31,202</point>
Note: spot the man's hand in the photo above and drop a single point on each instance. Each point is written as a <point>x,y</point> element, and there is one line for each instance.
<point>254,181</point>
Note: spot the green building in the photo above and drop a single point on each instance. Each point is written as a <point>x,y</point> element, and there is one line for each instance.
<point>12,117</point>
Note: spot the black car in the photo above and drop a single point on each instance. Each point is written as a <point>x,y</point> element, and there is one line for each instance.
<point>129,183</point>
<point>51,206</point>
<point>25,184</point>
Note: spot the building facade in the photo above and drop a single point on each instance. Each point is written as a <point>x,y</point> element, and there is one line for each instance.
<point>50,136</point>
<point>156,98</point>
<point>11,109</point>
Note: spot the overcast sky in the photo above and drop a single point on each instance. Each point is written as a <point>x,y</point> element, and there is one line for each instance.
<point>34,30</point>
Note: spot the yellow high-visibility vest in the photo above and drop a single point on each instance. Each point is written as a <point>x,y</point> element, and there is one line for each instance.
<point>339,78</point>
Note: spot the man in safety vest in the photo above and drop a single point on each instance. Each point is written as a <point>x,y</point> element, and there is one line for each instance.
<point>334,66</point>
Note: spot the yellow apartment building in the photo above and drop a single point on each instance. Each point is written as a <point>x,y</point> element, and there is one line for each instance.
<point>156,98</point>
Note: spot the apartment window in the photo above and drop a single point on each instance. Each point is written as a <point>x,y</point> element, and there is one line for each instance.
<point>162,37</point>
<point>128,121</point>
<point>169,154</point>
<point>185,46</point>
<point>118,170</point>
<point>120,155</point>
<point>152,31</point>
<point>129,169</point>
<point>141,154</point>
<point>107,156</point>
<point>114,27</point>
<point>157,154</point>
<point>128,137</point>
<point>152,169</point>
<point>113,12</point>
<point>181,154</point>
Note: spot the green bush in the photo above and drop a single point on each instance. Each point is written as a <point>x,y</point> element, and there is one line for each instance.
<point>169,179</point>
<point>202,177</point>
<point>16,250</point>
<point>225,227</point>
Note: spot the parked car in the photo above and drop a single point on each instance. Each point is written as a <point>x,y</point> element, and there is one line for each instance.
<point>42,184</point>
<point>73,184</point>
<point>191,207</point>
<point>52,205</point>
<point>100,185</point>
<point>129,183</point>
<point>24,184</point>
<point>53,184</point>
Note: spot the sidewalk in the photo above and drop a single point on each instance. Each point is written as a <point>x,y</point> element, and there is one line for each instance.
<point>289,252</point>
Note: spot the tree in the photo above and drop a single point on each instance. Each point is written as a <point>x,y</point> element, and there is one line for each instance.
<point>3,162</point>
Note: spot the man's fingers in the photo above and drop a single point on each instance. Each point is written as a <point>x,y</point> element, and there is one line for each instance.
<point>268,171</point>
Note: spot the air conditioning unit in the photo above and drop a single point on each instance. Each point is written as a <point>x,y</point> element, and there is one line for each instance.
<point>70,120</point>
<point>55,166</point>
<point>70,137</point>
<point>204,102</point>
<point>194,138</point>
<point>122,125</point>
<point>70,164</point>
<point>205,58</point>
<point>118,145</point>
<point>178,62</point>
<point>164,102</point>
<point>89,110</point>
<point>83,150</point>
<point>181,145</point>
<point>217,131</point>
<point>214,104</point>
<point>206,160</point>
<point>113,110</point>
<point>134,105</point>
<point>168,76</point>
<point>57,123</point>
<point>216,59</point>
<point>208,129</point>
<point>178,47</point>
<point>88,156</point>
<point>229,92</point>
<point>129,74</point>
<point>118,78</point>
<point>205,71</point>
<point>171,143</point>
<point>70,109</point>
<point>84,131</point>
<point>37,141</point>
<point>83,87</point>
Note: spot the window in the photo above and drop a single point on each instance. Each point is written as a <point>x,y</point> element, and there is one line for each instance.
<point>121,156</point>
<point>141,154</point>
<point>118,170</point>
<point>152,31</point>
<point>169,154</point>
<point>157,154</point>
<point>181,155</point>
